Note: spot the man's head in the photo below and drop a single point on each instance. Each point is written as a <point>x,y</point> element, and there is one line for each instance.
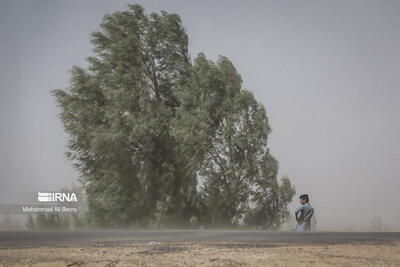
<point>304,199</point>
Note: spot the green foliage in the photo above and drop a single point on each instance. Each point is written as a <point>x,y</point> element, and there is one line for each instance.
<point>118,115</point>
<point>159,139</point>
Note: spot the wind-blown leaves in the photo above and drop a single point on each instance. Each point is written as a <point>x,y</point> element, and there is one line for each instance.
<point>160,139</point>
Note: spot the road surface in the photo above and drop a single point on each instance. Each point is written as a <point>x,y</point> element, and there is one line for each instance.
<point>33,238</point>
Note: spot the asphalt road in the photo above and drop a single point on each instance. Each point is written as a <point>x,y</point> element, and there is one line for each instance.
<point>33,238</point>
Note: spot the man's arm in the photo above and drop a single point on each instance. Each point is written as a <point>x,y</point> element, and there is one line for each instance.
<point>309,214</point>
<point>296,213</point>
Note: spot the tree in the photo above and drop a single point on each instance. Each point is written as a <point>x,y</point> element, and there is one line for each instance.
<point>228,130</point>
<point>269,198</point>
<point>118,112</point>
<point>145,124</point>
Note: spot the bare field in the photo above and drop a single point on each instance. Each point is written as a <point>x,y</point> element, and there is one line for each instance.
<point>205,254</point>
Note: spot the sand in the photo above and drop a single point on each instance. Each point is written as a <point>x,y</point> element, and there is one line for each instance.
<point>204,254</point>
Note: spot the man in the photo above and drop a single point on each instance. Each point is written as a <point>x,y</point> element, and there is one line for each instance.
<point>304,214</point>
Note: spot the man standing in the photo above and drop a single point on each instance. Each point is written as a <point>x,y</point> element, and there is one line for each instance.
<point>304,214</point>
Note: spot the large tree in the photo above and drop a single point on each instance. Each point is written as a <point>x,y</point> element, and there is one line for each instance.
<point>118,112</point>
<point>146,124</point>
<point>226,132</point>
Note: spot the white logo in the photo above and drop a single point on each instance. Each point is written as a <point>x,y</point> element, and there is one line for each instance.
<point>57,197</point>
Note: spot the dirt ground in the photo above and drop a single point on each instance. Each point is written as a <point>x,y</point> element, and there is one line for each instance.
<point>204,254</point>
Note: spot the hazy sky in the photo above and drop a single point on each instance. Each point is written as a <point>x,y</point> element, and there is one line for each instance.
<point>328,73</point>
